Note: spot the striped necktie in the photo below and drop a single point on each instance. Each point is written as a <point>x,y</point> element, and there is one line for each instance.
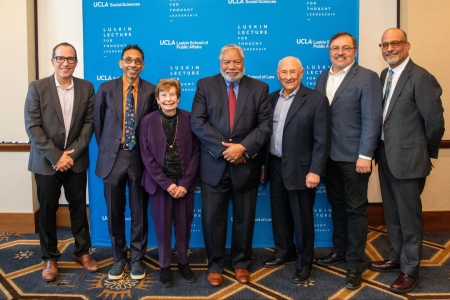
<point>385,99</point>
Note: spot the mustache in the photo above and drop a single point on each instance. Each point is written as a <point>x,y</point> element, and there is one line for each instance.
<point>340,56</point>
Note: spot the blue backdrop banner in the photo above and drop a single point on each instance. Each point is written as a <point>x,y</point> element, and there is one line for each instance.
<point>181,39</point>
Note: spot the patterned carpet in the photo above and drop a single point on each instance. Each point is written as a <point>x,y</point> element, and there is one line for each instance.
<point>21,266</point>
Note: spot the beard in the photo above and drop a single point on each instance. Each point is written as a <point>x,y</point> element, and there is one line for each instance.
<point>232,78</point>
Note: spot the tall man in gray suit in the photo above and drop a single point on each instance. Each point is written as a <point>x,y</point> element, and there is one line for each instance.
<point>355,101</point>
<point>413,126</point>
<point>232,118</point>
<point>58,121</point>
<point>119,106</point>
<point>298,152</point>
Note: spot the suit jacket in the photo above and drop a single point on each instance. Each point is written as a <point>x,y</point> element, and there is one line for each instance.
<point>356,112</point>
<point>306,137</point>
<point>414,123</point>
<point>44,125</point>
<point>252,128</point>
<point>153,143</point>
<point>108,116</point>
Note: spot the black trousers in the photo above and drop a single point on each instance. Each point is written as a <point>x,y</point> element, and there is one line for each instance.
<point>48,192</point>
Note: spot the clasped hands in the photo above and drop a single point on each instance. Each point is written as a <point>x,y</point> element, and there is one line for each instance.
<point>234,153</point>
<point>65,162</point>
<point>176,191</point>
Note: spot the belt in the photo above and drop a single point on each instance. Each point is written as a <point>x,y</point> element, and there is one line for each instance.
<point>125,147</point>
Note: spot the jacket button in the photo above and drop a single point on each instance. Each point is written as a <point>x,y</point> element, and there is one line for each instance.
<point>230,140</point>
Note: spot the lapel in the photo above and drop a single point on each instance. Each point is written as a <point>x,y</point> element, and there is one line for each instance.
<point>351,73</point>
<point>297,102</point>
<point>399,86</point>
<point>241,99</point>
<point>76,101</point>
<point>55,98</point>
<point>142,95</point>
<point>118,99</point>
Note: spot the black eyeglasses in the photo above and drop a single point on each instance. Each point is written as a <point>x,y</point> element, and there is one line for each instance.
<point>61,59</point>
<point>129,60</point>
<point>344,49</point>
<point>394,44</point>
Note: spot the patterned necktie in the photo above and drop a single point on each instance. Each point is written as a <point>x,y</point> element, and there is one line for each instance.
<point>385,99</point>
<point>231,104</point>
<point>130,120</point>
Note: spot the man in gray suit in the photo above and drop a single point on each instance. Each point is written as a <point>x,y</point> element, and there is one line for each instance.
<point>413,126</point>
<point>58,121</point>
<point>119,107</point>
<point>355,102</point>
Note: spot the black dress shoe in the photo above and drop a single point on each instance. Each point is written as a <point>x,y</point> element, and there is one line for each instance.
<point>330,260</point>
<point>165,277</point>
<point>302,276</point>
<point>278,262</point>
<point>186,272</point>
<point>384,266</point>
<point>404,283</point>
<point>353,280</point>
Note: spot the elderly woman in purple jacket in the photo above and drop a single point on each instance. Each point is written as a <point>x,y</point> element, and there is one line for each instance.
<point>170,152</point>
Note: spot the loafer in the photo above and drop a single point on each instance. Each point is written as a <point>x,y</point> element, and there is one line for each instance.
<point>330,260</point>
<point>404,283</point>
<point>384,266</point>
<point>137,270</point>
<point>215,279</point>
<point>278,262</point>
<point>302,276</point>
<point>186,272</point>
<point>353,280</point>
<point>117,270</point>
<point>242,275</point>
<point>165,277</point>
<point>50,271</point>
<point>88,263</point>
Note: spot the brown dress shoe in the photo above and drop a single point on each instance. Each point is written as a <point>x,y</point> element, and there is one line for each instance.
<point>384,266</point>
<point>242,275</point>
<point>215,279</point>
<point>50,271</point>
<point>404,283</point>
<point>88,263</point>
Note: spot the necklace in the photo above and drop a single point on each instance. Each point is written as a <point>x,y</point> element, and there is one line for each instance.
<point>176,130</point>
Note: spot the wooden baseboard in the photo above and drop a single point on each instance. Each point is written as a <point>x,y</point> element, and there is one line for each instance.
<point>19,222</point>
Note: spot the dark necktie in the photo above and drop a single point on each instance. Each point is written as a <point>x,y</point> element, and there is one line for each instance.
<point>231,104</point>
<point>130,120</point>
<point>385,98</point>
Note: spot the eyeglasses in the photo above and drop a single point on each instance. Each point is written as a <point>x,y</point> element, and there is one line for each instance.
<point>394,44</point>
<point>344,49</point>
<point>129,60</point>
<point>61,59</point>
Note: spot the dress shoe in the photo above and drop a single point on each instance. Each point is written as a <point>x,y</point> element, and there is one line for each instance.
<point>242,275</point>
<point>353,280</point>
<point>278,262</point>
<point>50,271</point>
<point>404,283</point>
<point>186,272</point>
<point>384,266</point>
<point>165,277</point>
<point>302,276</point>
<point>215,279</point>
<point>88,263</point>
<point>330,260</point>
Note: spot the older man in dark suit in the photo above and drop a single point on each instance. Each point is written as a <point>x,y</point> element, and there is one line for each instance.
<point>355,102</point>
<point>298,152</point>
<point>231,116</point>
<point>413,126</point>
<point>58,121</point>
<point>119,106</point>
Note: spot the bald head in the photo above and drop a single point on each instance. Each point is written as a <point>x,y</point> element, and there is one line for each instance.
<point>290,72</point>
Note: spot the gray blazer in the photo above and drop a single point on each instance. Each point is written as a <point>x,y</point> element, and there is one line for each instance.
<point>414,123</point>
<point>356,113</point>
<point>44,125</point>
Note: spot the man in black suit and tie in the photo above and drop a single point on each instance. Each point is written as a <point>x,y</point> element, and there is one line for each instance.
<point>231,116</point>
<point>58,121</point>
<point>119,106</point>
<point>298,152</point>
<point>413,126</point>
<point>355,103</point>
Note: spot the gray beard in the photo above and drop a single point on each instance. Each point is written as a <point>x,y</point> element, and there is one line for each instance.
<point>232,78</point>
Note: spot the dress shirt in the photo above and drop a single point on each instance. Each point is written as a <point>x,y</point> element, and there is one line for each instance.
<point>279,118</point>
<point>396,72</point>
<point>235,88</point>
<point>66,97</point>
<point>126,84</point>
<point>335,80</point>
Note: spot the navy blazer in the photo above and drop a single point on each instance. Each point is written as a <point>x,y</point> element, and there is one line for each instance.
<point>356,113</point>
<point>108,119</point>
<point>306,137</point>
<point>252,128</point>
<point>153,143</point>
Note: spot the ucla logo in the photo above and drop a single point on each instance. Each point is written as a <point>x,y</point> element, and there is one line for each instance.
<point>166,42</point>
<point>100,4</point>
<point>235,1</point>
<point>304,41</point>
<point>104,77</point>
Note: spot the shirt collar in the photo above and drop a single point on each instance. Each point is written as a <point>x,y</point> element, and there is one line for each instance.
<point>234,83</point>
<point>344,70</point>
<point>400,67</point>
<point>58,85</point>
<point>126,84</point>
<point>291,95</point>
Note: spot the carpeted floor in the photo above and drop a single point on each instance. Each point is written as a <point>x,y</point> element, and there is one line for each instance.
<point>21,266</point>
